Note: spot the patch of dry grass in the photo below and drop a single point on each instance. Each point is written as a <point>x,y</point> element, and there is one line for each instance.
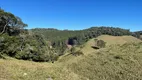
<point>28,70</point>
<point>15,69</point>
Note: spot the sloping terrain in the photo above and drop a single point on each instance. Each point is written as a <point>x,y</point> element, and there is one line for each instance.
<point>118,39</point>
<point>110,40</point>
<point>120,60</point>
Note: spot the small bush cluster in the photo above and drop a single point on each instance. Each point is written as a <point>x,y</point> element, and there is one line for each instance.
<point>99,44</point>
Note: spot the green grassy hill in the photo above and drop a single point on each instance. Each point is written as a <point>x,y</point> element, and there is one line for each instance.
<point>118,39</point>
<point>120,60</point>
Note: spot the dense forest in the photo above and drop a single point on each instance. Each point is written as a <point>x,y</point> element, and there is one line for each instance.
<point>45,44</point>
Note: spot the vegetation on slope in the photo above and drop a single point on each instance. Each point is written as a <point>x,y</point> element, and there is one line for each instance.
<point>19,43</point>
<point>79,36</point>
<point>114,62</point>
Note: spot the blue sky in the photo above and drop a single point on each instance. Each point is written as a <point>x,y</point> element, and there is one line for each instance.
<point>77,14</point>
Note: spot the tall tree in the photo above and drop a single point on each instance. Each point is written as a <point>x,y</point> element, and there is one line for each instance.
<point>10,23</point>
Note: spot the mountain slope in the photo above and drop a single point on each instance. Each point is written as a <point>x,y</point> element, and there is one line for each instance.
<point>115,62</point>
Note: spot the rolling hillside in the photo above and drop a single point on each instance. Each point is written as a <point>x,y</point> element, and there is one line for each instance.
<point>120,60</point>
<point>118,39</point>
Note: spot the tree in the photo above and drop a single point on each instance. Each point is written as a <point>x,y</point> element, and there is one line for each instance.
<point>9,23</point>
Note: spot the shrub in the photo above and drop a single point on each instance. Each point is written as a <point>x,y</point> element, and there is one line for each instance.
<point>99,44</point>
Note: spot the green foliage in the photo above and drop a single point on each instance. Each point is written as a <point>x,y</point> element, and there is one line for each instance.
<point>9,23</point>
<point>8,44</point>
<point>29,47</point>
<point>22,44</point>
<point>78,37</point>
<point>99,44</point>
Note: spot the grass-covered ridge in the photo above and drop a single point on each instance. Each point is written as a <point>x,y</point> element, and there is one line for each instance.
<point>114,62</point>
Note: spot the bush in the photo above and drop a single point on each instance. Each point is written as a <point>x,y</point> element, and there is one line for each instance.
<point>99,44</point>
<point>8,44</point>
